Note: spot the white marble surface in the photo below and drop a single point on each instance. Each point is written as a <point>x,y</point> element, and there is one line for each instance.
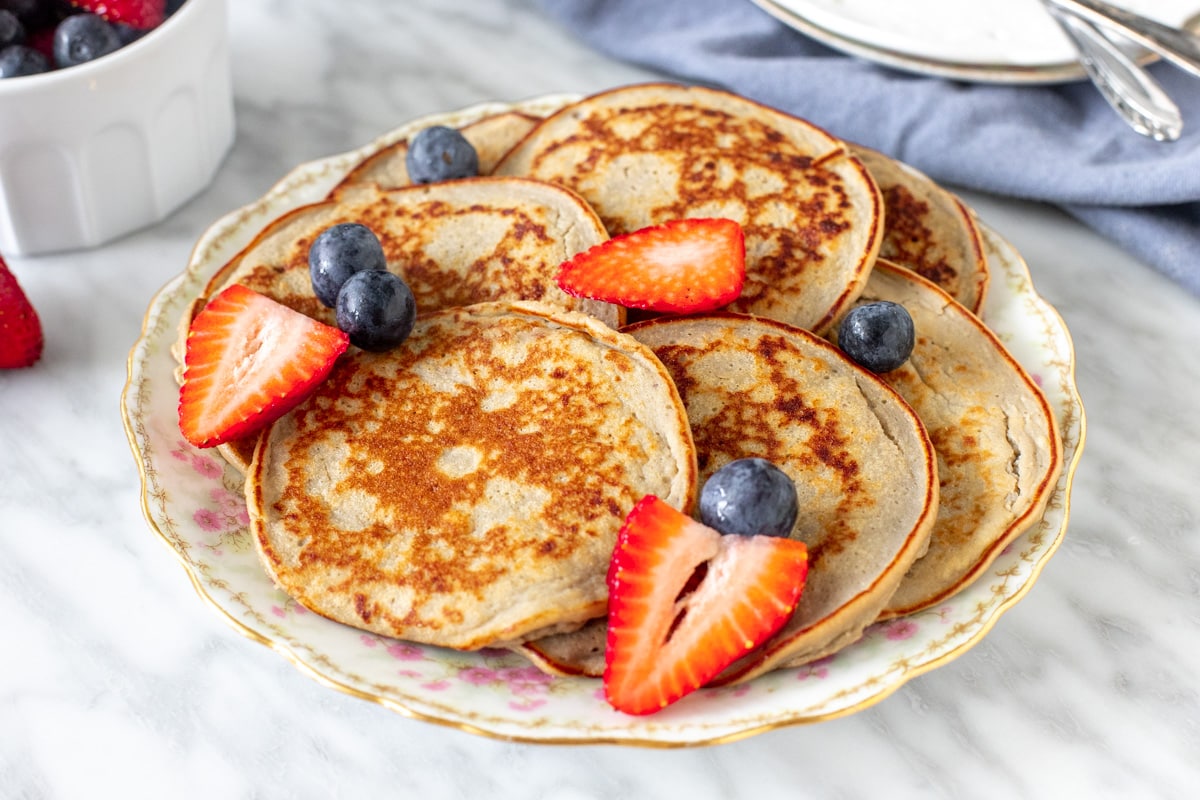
<point>116,680</point>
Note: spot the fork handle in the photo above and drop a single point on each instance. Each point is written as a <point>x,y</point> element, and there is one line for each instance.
<point>1180,47</point>
<point>1124,84</point>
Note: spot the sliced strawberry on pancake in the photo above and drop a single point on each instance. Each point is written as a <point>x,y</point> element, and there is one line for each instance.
<point>682,267</point>
<point>249,361</point>
<point>685,602</point>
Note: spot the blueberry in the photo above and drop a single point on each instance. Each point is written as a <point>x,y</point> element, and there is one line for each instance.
<point>439,153</point>
<point>878,335</point>
<point>17,60</point>
<point>376,308</point>
<point>83,37</point>
<point>11,29</point>
<point>29,12</point>
<point>127,34</point>
<point>749,496</point>
<point>339,252</point>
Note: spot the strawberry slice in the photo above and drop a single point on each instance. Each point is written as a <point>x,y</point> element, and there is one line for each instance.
<point>20,329</point>
<point>681,267</point>
<point>141,14</point>
<point>249,361</point>
<point>661,645</point>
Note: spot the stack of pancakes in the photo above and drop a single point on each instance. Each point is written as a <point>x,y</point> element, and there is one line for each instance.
<point>465,490</point>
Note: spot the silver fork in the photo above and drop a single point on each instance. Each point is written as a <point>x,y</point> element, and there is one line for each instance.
<point>1126,86</point>
<point>1180,47</point>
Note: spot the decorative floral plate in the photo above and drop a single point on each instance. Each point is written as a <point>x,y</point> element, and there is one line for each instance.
<point>194,503</point>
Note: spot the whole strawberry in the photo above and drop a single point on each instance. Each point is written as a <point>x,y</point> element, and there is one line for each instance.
<point>141,14</point>
<point>20,330</point>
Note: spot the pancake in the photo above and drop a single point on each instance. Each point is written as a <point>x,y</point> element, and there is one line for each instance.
<point>455,243</point>
<point>862,464</point>
<point>573,654</point>
<point>466,489</point>
<point>385,169</point>
<point>647,154</point>
<point>929,230</point>
<point>491,136</point>
<point>998,448</point>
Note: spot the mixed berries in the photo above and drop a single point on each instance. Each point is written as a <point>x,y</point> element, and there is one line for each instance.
<point>41,35</point>
<point>685,599</point>
<point>250,359</point>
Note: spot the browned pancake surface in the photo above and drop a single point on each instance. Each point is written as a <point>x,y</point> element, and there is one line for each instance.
<point>861,463</point>
<point>648,154</point>
<point>998,448</point>
<point>491,137</point>
<point>928,230</point>
<point>454,243</point>
<point>466,488</point>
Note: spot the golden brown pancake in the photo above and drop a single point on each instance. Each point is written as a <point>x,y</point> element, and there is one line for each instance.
<point>466,488</point>
<point>862,464</point>
<point>646,154</point>
<point>455,243</point>
<point>997,443</point>
<point>386,169</point>
<point>491,136</point>
<point>929,230</point>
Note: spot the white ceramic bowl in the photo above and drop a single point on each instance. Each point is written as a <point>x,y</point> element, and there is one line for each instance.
<point>96,151</point>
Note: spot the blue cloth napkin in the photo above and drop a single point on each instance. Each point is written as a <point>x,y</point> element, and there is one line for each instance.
<point>1058,144</point>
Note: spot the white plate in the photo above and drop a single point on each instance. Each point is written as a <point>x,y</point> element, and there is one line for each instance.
<point>1014,41</point>
<point>193,502</point>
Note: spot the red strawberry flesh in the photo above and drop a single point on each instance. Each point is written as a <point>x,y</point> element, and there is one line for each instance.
<point>142,14</point>
<point>683,266</point>
<point>249,361</point>
<point>661,645</point>
<point>21,339</point>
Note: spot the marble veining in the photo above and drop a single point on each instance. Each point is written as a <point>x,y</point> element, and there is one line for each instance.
<point>116,680</point>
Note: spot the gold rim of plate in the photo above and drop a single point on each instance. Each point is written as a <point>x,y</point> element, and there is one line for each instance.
<point>569,712</point>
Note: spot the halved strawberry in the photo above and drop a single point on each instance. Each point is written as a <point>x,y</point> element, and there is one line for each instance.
<point>682,266</point>
<point>665,641</point>
<point>249,361</point>
<point>20,329</point>
<point>142,14</point>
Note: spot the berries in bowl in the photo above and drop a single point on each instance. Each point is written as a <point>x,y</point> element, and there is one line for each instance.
<point>132,93</point>
<point>38,36</point>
